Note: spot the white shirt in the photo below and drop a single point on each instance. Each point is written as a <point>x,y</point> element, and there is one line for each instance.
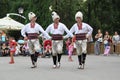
<point>60,30</point>
<point>27,29</point>
<point>85,29</point>
<point>116,38</point>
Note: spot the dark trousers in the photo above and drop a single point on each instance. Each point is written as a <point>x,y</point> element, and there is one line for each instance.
<point>82,58</point>
<point>55,58</point>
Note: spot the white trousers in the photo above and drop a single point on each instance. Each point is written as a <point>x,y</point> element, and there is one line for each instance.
<point>34,46</point>
<point>57,47</point>
<point>81,46</point>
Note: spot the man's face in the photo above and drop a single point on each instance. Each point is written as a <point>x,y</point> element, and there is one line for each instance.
<point>78,19</point>
<point>116,33</point>
<point>56,20</point>
<point>34,19</point>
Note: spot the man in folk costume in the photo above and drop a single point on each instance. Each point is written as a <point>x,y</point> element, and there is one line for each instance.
<point>57,29</point>
<point>30,32</point>
<point>82,31</point>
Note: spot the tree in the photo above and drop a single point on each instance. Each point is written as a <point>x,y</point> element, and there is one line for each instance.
<point>103,14</point>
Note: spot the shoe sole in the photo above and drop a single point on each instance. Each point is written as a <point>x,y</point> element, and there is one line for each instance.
<point>34,67</point>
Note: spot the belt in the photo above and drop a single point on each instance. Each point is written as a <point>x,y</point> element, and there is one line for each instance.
<point>81,36</point>
<point>57,37</point>
<point>32,36</point>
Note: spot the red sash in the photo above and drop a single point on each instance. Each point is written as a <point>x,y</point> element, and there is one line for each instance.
<point>57,37</point>
<point>81,36</point>
<point>32,36</point>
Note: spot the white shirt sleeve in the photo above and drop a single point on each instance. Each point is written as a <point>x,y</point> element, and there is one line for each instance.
<point>90,30</point>
<point>72,30</point>
<point>23,31</point>
<point>43,32</point>
<point>67,31</point>
<point>48,29</point>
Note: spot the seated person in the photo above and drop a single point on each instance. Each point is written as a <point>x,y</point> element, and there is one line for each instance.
<point>25,49</point>
<point>47,48</point>
<point>4,50</point>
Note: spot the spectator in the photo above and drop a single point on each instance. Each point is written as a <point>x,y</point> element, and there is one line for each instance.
<point>73,40</point>
<point>17,52</point>
<point>70,51</point>
<point>107,43</point>
<point>0,38</point>
<point>47,44</point>
<point>3,37</point>
<point>0,43</point>
<point>41,50</point>
<point>98,38</point>
<point>25,49</point>
<point>12,45</point>
<point>108,47</point>
<point>106,39</point>
<point>4,49</point>
<point>48,50</point>
<point>67,42</point>
<point>116,39</point>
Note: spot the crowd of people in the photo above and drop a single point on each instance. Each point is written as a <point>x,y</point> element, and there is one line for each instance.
<point>5,45</point>
<point>107,40</point>
<point>52,41</point>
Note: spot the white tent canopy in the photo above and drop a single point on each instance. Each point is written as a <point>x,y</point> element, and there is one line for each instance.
<point>10,24</point>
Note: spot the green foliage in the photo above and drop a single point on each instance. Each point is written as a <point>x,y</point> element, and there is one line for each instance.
<point>103,14</point>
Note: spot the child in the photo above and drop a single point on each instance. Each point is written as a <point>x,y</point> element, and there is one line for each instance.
<point>73,40</point>
<point>67,42</point>
<point>48,49</point>
<point>70,51</point>
<point>12,45</point>
<point>107,48</point>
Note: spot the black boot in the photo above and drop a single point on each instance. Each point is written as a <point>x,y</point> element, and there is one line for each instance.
<point>80,61</point>
<point>59,58</point>
<point>36,56</point>
<point>32,59</point>
<point>54,61</point>
<point>83,60</point>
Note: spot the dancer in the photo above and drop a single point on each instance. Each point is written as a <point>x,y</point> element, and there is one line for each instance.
<point>82,31</point>
<point>56,29</point>
<point>30,32</point>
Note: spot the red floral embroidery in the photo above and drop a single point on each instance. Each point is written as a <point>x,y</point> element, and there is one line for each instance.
<point>55,26</point>
<point>32,25</point>
<point>80,26</point>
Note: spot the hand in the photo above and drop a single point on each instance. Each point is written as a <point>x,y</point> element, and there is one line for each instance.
<point>25,38</point>
<point>50,38</point>
<point>64,37</point>
<point>87,36</point>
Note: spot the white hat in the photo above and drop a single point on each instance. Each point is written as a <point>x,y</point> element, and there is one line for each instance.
<point>31,15</point>
<point>79,14</point>
<point>55,16</point>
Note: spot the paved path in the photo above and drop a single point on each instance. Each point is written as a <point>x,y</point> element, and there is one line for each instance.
<point>97,68</point>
